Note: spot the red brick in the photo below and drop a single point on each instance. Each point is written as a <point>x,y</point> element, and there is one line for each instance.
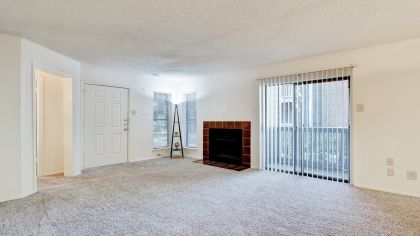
<point>246,158</point>
<point>246,142</point>
<point>246,150</point>
<point>247,165</point>
<point>246,133</point>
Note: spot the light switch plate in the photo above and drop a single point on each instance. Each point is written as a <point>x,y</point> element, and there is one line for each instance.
<point>390,172</point>
<point>133,112</point>
<point>390,161</point>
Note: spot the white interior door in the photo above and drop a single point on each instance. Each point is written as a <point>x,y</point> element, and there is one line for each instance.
<point>106,125</point>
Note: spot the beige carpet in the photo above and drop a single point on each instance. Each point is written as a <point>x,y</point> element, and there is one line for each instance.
<point>179,197</point>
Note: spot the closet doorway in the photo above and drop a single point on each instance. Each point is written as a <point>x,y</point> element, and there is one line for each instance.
<point>53,123</point>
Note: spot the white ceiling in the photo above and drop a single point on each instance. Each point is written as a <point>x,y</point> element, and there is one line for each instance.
<point>204,36</point>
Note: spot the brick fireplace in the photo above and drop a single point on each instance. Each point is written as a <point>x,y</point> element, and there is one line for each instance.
<point>230,131</point>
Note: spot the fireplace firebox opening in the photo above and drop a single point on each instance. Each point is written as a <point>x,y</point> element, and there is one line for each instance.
<point>225,145</point>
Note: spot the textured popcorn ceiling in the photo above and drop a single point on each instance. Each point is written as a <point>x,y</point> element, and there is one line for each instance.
<point>204,36</point>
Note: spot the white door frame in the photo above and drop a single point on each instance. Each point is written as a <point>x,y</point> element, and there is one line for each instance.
<point>114,85</point>
<point>48,69</point>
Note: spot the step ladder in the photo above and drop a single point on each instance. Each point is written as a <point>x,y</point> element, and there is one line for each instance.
<point>176,135</point>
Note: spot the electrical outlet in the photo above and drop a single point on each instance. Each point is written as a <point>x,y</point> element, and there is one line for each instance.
<point>390,161</point>
<point>360,107</point>
<point>390,172</point>
<point>411,175</point>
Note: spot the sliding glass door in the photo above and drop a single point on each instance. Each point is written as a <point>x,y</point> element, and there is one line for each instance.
<point>305,126</point>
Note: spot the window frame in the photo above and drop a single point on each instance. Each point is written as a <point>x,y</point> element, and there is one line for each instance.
<point>186,120</point>
<point>298,137</point>
<point>167,119</point>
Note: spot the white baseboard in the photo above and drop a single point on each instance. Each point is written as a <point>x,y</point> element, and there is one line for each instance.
<point>6,198</point>
<point>386,190</point>
<point>143,159</point>
<point>27,193</point>
<point>194,157</point>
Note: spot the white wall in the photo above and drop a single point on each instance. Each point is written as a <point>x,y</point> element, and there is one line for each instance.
<point>69,136</point>
<point>18,58</point>
<point>9,118</point>
<point>141,101</point>
<point>33,54</point>
<point>386,79</point>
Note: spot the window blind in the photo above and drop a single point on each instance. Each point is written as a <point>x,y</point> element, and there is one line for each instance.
<point>189,118</point>
<point>305,124</point>
<point>162,110</point>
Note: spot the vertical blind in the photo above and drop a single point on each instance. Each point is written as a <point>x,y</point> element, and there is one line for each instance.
<point>162,110</point>
<point>305,124</point>
<point>189,120</point>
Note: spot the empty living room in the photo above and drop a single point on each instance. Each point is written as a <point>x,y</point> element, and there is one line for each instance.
<point>210,117</point>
